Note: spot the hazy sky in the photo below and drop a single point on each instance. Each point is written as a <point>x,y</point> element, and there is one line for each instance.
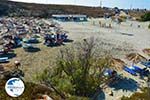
<point>106,3</point>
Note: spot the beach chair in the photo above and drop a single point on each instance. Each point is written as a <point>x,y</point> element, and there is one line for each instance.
<point>30,48</point>
<point>129,70</point>
<point>18,43</point>
<point>137,69</point>
<point>27,46</point>
<point>108,72</point>
<point>33,40</point>
<point>142,72</point>
<point>147,64</point>
<point>4,60</point>
<point>145,72</point>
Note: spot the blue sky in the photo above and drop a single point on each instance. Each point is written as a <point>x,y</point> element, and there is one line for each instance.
<point>106,3</point>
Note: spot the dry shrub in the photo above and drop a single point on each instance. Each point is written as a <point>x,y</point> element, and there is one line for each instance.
<point>117,64</point>
<point>78,71</point>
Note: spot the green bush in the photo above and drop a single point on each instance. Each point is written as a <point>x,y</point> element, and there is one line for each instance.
<point>146,17</point>
<point>149,26</point>
<point>78,71</point>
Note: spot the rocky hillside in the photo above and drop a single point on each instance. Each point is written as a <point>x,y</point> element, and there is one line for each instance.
<point>10,8</point>
<point>25,9</point>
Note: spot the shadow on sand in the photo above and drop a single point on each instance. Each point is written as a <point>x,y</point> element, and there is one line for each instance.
<point>55,45</point>
<point>127,34</point>
<point>9,55</point>
<point>126,84</point>
<point>33,50</point>
<point>101,96</point>
<point>68,40</point>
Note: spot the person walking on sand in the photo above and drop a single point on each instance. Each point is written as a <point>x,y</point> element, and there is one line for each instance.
<point>17,64</point>
<point>100,24</point>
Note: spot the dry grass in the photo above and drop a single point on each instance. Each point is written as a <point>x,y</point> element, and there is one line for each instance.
<point>118,64</point>
<point>135,57</point>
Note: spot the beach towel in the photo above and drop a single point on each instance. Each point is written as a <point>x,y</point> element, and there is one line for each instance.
<point>4,59</point>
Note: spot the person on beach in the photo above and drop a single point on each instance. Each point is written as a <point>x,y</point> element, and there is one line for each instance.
<point>17,64</point>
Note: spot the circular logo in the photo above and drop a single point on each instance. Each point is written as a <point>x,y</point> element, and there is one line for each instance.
<point>14,87</point>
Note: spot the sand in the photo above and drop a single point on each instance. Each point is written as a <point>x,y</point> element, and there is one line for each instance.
<point>119,40</point>
<point>138,41</point>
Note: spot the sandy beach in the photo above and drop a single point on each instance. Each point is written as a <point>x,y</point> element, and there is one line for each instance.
<point>119,40</point>
<point>119,35</point>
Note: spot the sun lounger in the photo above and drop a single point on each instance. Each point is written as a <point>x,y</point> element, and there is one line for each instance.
<point>129,70</point>
<point>108,72</point>
<point>137,69</point>
<point>147,64</point>
<point>4,59</point>
<point>32,40</point>
<point>27,46</point>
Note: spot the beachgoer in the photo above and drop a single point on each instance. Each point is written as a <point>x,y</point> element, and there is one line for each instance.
<point>52,36</point>
<point>100,23</point>
<point>17,64</point>
<point>111,94</point>
<point>110,26</point>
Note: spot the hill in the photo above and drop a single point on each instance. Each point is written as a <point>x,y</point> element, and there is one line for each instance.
<point>11,8</point>
<point>42,10</point>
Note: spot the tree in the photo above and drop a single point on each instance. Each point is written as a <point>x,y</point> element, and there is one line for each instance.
<point>79,68</point>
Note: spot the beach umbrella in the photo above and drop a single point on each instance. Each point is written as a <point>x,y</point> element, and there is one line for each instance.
<point>135,57</point>
<point>147,51</point>
<point>118,64</point>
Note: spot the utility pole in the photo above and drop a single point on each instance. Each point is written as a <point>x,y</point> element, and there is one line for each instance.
<point>101,3</point>
<point>131,7</point>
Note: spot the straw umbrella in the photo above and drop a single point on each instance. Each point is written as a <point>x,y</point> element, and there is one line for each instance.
<point>135,57</point>
<point>118,64</point>
<point>147,51</point>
